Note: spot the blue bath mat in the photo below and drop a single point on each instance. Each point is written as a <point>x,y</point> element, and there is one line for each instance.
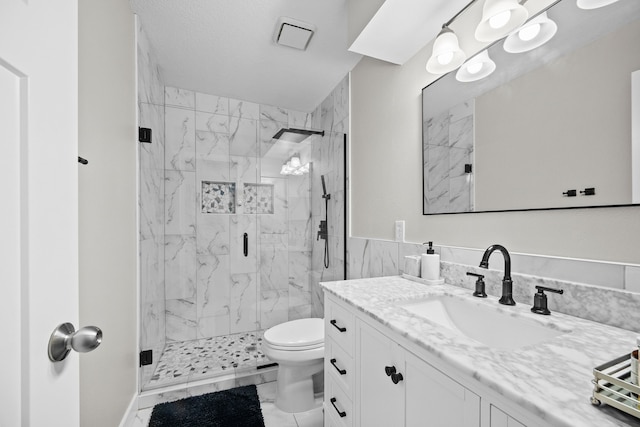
<point>238,407</point>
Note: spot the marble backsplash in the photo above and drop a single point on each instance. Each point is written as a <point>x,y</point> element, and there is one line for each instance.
<point>604,292</point>
<point>613,307</point>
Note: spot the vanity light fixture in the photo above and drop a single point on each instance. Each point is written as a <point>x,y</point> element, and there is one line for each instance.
<point>499,18</point>
<point>476,68</point>
<point>446,55</point>
<point>594,4</point>
<point>531,35</point>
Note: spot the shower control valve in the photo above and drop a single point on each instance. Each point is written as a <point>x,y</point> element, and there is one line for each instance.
<point>323,232</point>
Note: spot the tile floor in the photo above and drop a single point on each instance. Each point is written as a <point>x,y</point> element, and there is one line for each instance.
<point>273,417</point>
<point>191,361</point>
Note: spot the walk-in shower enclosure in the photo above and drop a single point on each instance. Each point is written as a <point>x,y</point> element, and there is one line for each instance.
<point>228,242</point>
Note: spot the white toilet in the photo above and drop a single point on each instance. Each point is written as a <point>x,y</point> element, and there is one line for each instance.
<point>298,348</point>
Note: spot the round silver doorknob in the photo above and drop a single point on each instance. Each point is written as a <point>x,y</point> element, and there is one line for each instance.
<point>64,338</point>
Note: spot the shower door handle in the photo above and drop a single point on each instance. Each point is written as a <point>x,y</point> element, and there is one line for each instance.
<point>246,244</point>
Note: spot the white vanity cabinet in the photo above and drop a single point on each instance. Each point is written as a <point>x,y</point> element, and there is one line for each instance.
<point>500,419</point>
<point>372,380</point>
<point>396,388</point>
<point>339,372</point>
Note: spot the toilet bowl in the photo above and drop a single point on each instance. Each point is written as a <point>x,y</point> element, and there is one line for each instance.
<point>297,347</point>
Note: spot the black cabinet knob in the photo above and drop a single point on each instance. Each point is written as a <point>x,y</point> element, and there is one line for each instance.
<point>396,378</point>
<point>392,372</point>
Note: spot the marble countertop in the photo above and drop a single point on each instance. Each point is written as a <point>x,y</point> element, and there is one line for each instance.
<point>551,380</point>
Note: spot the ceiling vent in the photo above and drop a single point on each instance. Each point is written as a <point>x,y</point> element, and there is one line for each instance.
<point>293,33</point>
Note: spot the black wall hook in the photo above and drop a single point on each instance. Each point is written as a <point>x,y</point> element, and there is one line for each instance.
<point>83,161</point>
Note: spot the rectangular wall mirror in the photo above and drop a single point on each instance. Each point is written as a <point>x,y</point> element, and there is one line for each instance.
<point>544,125</point>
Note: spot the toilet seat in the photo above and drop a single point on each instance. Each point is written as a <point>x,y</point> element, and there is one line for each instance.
<point>296,335</point>
<point>290,348</point>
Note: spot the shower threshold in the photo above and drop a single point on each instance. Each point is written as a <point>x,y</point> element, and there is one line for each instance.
<point>191,361</point>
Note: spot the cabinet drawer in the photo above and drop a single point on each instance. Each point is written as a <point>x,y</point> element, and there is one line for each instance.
<point>339,326</point>
<point>329,421</point>
<point>338,407</point>
<point>339,366</point>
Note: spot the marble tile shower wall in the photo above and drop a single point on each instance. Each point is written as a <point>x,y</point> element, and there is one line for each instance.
<point>214,156</point>
<point>448,147</point>
<point>600,291</point>
<point>151,178</point>
<point>332,116</point>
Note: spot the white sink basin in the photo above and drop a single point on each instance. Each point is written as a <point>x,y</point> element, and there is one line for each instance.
<point>493,327</point>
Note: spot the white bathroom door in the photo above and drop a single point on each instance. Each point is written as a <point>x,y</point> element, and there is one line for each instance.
<point>38,209</point>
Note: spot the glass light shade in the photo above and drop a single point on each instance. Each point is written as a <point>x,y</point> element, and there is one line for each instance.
<point>517,43</point>
<point>529,32</point>
<point>594,4</point>
<point>295,162</point>
<point>499,18</point>
<point>477,68</point>
<point>446,55</point>
<point>474,67</point>
<point>445,58</point>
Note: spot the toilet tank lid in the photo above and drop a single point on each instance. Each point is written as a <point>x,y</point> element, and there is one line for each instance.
<point>296,333</point>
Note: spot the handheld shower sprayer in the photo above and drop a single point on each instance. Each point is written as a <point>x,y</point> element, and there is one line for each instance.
<point>323,233</point>
<point>324,189</point>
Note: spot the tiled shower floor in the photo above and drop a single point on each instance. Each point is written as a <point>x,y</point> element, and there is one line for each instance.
<point>189,361</point>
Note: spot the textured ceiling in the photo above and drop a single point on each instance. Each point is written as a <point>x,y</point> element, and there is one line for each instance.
<point>227,48</point>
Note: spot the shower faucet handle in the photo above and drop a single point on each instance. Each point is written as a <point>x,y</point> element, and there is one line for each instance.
<point>323,232</point>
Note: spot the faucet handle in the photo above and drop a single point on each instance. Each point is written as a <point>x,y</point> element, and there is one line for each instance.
<point>540,300</point>
<point>479,292</point>
<point>541,289</point>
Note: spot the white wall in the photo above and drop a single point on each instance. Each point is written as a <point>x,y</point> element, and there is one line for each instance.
<point>386,136</point>
<point>107,198</point>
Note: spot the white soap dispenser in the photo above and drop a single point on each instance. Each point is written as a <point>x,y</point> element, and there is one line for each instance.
<point>430,266</point>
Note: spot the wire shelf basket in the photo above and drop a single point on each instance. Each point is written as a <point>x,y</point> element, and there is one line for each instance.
<point>612,386</point>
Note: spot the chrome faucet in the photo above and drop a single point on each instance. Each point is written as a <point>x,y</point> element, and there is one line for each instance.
<point>507,284</point>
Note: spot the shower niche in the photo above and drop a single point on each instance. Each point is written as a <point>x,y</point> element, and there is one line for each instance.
<point>228,226</point>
